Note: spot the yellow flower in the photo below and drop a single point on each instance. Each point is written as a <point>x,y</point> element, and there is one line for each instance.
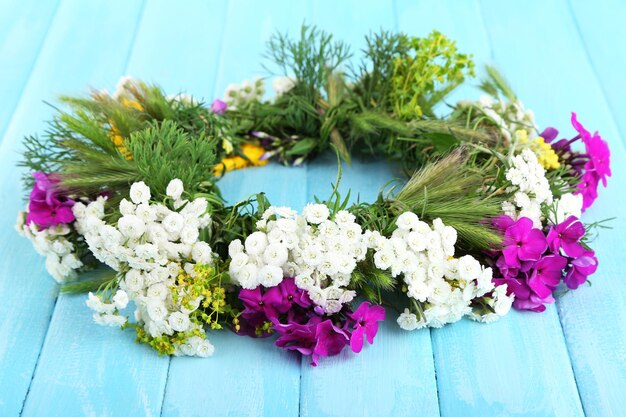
<point>118,141</point>
<point>545,154</point>
<point>131,104</point>
<point>231,163</point>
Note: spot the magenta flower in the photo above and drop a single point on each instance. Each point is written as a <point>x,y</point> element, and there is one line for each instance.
<point>366,320</point>
<point>291,294</point>
<point>330,340</point>
<point>580,269</point>
<point>523,243</point>
<point>566,236</point>
<point>546,275</point>
<point>525,297</point>
<point>256,301</point>
<point>588,187</point>
<point>218,106</point>
<point>298,337</point>
<point>597,150</point>
<point>48,206</point>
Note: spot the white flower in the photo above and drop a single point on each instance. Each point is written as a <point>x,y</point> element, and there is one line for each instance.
<point>189,235</point>
<point>235,247</point>
<point>315,213</point>
<point>173,222</point>
<point>502,302</point>
<point>344,218</point>
<point>469,268</point>
<point>247,277</point>
<point>275,254</point>
<point>112,320</point>
<point>256,243</point>
<point>175,189</point>
<point>133,280</point>
<point>384,259</point>
<point>156,310</point>
<point>145,212</point>
<point>126,207</point>
<point>408,321</point>
<point>131,226</point>
<point>120,299</point>
<point>204,349</point>
<point>270,276</point>
<point>139,193</point>
<point>283,84</point>
<point>179,322</point>
<point>407,221</point>
<point>201,253</point>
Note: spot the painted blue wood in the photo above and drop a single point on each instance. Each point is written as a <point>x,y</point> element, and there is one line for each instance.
<point>84,46</point>
<point>601,29</point>
<point>592,317</point>
<point>497,369</point>
<point>23,28</point>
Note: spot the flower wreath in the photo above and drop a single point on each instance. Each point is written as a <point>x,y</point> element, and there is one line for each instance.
<point>488,218</point>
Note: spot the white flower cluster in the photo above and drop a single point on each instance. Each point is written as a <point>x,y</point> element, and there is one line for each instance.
<point>530,187</point>
<point>150,244</point>
<point>237,95</point>
<point>52,242</point>
<point>508,116</point>
<point>319,252</point>
<point>443,285</point>
<point>568,205</point>
<point>282,85</point>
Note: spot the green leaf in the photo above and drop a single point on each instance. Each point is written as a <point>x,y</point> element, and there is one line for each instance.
<point>443,142</point>
<point>303,147</point>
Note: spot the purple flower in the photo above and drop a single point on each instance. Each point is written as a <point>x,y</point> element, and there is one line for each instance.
<point>256,301</point>
<point>366,320</point>
<point>329,340</point>
<point>292,294</point>
<point>523,243</point>
<point>549,134</point>
<point>588,187</point>
<point>599,157</point>
<point>48,206</point>
<point>218,106</point>
<point>546,275</point>
<point>567,236</point>
<point>580,269</point>
<point>299,337</point>
<point>525,297</point>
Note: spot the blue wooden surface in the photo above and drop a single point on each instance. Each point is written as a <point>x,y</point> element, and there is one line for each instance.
<point>560,56</point>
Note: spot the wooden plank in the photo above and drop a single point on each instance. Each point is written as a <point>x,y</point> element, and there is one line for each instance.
<point>592,317</point>
<point>498,369</point>
<point>88,44</point>
<point>245,377</point>
<point>395,376</point>
<point>601,27</point>
<point>23,27</point>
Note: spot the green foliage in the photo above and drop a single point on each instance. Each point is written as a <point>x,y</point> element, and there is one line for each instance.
<point>311,59</point>
<point>425,72</point>
<point>449,189</point>
<point>163,151</point>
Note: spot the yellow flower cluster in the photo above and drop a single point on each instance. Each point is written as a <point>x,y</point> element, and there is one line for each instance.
<point>115,134</point>
<point>545,154</point>
<point>230,163</point>
<point>202,285</point>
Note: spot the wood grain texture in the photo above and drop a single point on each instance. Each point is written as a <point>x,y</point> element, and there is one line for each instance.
<point>23,28</point>
<point>592,317</point>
